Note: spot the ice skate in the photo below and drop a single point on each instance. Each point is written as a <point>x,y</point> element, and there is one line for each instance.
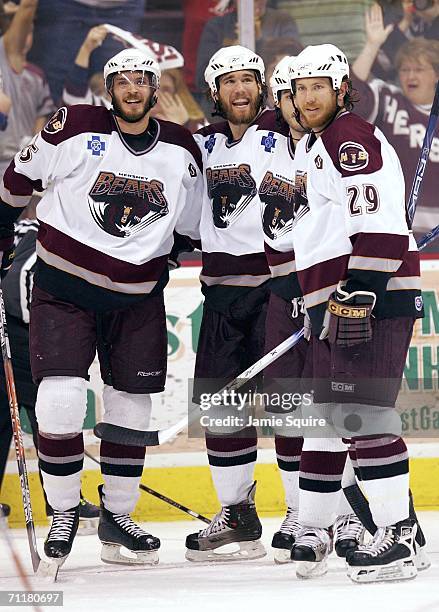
<point>283,540</point>
<point>62,532</point>
<point>119,530</point>
<point>389,556</point>
<point>236,525</point>
<point>5,510</point>
<point>348,533</point>
<point>88,517</point>
<point>422,560</point>
<point>311,550</point>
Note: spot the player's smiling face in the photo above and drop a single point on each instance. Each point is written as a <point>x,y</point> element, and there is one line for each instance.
<point>132,92</point>
<point>316,100</point>
<point>239,95</point>
<point>418,80</point>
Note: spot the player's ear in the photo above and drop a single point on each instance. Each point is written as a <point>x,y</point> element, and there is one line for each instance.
<point>342,91</point>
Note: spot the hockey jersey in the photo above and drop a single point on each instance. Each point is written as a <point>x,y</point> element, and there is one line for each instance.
<point>107,217</point>
<point>404,125</point>
<point>232,239</point>
<point>277,196</point>
<point>351,225</point>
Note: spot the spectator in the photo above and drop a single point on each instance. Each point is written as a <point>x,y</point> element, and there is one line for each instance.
<point>175,102</point>
<point>222,31</point>
<point>196,14</point>
<point>5,106</point>
<point>402,112</point>
<point>272,51</point>
<point>24,83</point>
<point>419,18</point>
<point>62,25</point>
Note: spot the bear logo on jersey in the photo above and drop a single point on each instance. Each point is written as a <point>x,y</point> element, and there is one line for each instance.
<point>277,195</point>
<point>123,206</point>
<point>231,189</point>
<point>353,156</point>
<point>56,122</point>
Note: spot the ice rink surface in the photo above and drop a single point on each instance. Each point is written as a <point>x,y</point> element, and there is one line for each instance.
<point>178,585</point>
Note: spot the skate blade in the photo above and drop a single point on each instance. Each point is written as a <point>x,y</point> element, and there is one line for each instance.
<point>305,570</point>
<point>405,569</point>
<point>48,570</point>
<point>245,552</point>
<point>282,556</point>
<point>111,553</point>
<point>88,527</point>
<point>422,560</point>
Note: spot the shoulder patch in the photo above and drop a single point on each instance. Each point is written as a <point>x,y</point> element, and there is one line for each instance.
<point>353,156</point>
<point>56,122</point>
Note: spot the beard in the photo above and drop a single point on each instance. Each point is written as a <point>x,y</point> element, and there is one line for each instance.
<point>236,117</point>
<point>321,120</point>
<point>132,117</point>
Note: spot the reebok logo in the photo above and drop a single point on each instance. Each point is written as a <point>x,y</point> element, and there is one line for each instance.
<point>155,373</point>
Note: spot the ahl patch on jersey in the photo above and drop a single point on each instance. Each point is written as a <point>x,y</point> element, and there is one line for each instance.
<point>353,156</point>
<point>231,189</point>
<point>96,145</point>
<point>268,142</point>
<point>123,206</point>
<point>277,195</point>
<point>56,122</point>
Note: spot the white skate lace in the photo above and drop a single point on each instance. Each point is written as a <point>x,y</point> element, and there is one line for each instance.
<point>348,527</point>
<point>382,541</point>
<point>313,538</point>
<point>127,524</point>
<point>62,525</point>
<point>218,523</point>
<point>290,524</point>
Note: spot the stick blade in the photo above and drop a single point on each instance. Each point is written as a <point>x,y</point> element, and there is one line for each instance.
<point>47,570</point>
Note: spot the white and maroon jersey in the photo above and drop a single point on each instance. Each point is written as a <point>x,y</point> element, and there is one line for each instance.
<point>232,239</point>
<point>404,126</point>
<point>107,218</point>
<point>353,225</point>
<point>277,196</point>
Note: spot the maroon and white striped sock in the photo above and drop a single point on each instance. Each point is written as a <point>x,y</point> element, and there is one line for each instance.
<point>232,460</point>
<point>61,459</point>
<point>288,451</point>
<point>122,468</point>
<point>384,469</point>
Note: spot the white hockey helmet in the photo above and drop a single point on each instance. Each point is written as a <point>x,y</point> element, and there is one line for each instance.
<point>320,61</point>
<point>232,59</point>
<point>280,79</point>
<point>132,60</point>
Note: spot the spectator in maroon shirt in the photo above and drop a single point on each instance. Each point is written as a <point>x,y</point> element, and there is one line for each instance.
<point>402,112</point>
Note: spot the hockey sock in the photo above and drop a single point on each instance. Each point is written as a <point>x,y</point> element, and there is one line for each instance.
<point>60,460</point>
<point>384,468</point>
<point>122,468</point>
<point>232,461</point>
<point>321,469</point>
<point>288,452</point>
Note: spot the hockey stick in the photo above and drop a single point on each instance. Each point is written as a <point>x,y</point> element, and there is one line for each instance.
<point>132,437</point>
<point>40,567</point>
<point>423,157</point>
<point>429,237</point>
<point>168,500</point>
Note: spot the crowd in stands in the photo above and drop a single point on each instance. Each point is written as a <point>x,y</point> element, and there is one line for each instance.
<point>393,45</point>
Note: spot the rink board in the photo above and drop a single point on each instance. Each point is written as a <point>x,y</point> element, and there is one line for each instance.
<point>180,470</point>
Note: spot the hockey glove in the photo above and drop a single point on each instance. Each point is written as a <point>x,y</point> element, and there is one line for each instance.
<point>307,327</point>
<point>347,318</point>
<point>6,259</point>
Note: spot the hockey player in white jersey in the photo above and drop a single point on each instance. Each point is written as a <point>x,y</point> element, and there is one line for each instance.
<point>117,186</point>
<point>280,191</point>
<point>235,282</point>
<point>358,267</point>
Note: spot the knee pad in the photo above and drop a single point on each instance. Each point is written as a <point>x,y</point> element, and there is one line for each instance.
<point>361,420</point>
<point>61,404</point>
<point>132,410</point>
